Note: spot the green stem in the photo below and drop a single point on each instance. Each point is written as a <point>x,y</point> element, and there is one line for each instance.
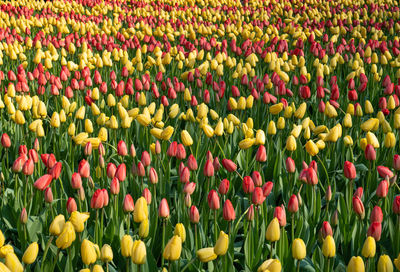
<point>195,237</point>
<point>215,226</point>
<point>128,223</point>
<point>292,226</point>
<point>298,265</point>
<point>163,242</point>
<point>188,264</point>
<point>55,260</point>
<point>102,227</point>
<point>45,252</point>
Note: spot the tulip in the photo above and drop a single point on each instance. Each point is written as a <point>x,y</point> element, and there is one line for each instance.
<point>221,246</point>
<point>349,170</point>
<point>375,230</point>
<point>2,239</point>
<point>385,264</point>
<point>358,207</point>
<point>126,246</point>
<point>114,186</point>
<point>271,265</point>
<point>293,205</point>
<point>370,153</point>
<point>229,165</point>
<point>261,155</point>
<point>248,185</point>
<point>267,188</point>
<point>194,215</point>
<point>98,200</point>
<point>180,231</point>
<point>298,249</point>
<point>273,232</point>
<point>106,253</point>
<point>111,169</point>
<point>23,218</point>
<point>206,255</point>
<point>43,182</point>
<point>280,214</point>
<point>384,171</point>
<point>228,211</point>
<point>369,248</point>
<point>56,226</point>
<point>140,212</point>
<point>5,140</point>
<point>192,163</point>
<point>84,168</point>
<point>122,149</point>
<point>397,262</point>
<point>172,250</point>
<point>328,247</point>
<point>382,189</point>
<point>326,229</point>
<point>376,215</point>
<point>396,162</point>
<point>213,200</point>
<point>66,237</point>
<point>147,195</point>
<point>71,205</point>
<point>396,205</point>
<point>258,196</point>
<point>186,138</point>
<point>163,210</point>
<point>138,252</point>
<point>290,165</point>
<point>128,205</point>
<point>120,172</point>
<point>88,252</point>
<point>356,264</point>
<point>76,181</point>
<point>144,228</point>
<point>208,169</point>
<point>12,262</point>
<point>78,220</point>
<point>30,253</point>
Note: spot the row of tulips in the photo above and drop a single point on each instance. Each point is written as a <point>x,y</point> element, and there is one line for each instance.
<point>199,135</point>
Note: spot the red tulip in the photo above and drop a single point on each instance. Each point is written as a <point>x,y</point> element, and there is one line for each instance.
<point>248,185</point>
<point>384,171</point>
<point>396,205</point>
<point>172,149</point>
<point>267,188</point>
<point>141,172</point>
<point>312,177</point>
<point>375,230</point>
<point>349,170</point>
<point>326,229</point>
<point>290,165</point>
<point>32,154</point>
<point>257,179</point>
<point>76,181</point>
<point>261,155</point>
<point>55,171</point>
<point>111,169</point>
<point>208,169</point>
<point>153,177</point>
<point>370,153</point>
<point>223,187</point>
<point>228,211</point>
<point>71,205</point>
<point>258,196</point>
<point>180,152</point>
<point>28,167</point>
<point>48,195</point>
<point>105,197</point>
<point>229,165</point>
<point>280,214</point>
<point>189,188</point>
<point>359,192</point>
<point>22,149</point>
<point>209,156</point>
<point>84,168</point>
<point>163,209</point>
<point>42,182</point>
<point>383,188</point>
<point>5,140</point>
<point>36,145</point>
<point>97,201</point>
<point>122,149</point>
<point>213,200</point>
<point>396,162</point>
<point>145,159</point>
<point>293,205</point>
<point>128,205</point>
<point>184,175</point>
<point>216,164</point>
<point>120,173</point>
<point>192,163</point>
<point>358,207</point>
<point>23,218</point>
<point>328,193</point>
<point>147,195</point>
<point>114,187</point>
<point>194,215</point>
<point>250,213</point>
<point>376,215</point>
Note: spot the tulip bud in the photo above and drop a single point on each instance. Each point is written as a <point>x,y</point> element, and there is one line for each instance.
<point>396,162</point>
<point>328,194</point>
<point>293,205</point>
<point>84,169</point>
<point>290,165</point>
<point>385,264</point>
<point>213,200</point>
<point>128,205</point>
<point>23,218</point>
<point>369,248</point>
<point>76,181</point>
<point>81,194</point>
<point>194,215</point>
<point>356,264</point>
<point>375,230</point>
<point>126,246</point>
<point>376,215</point>
<point>370,153</point>
<point>221,246</point>
<point>163,210</point>
<point>71,205</point>
<point>298,249</point>
<point>206,255</point>
<point>258,196</point>
<point>140,212</point>
<point>5,140</point>
<point>153,177</point>
<point>180,231</point>
<point>122,149</point>
<point>106,253</point>
<point>147,195</point>
<point>229,165</point>
<point>248,185</point>
<point>326,229</point>
<point>48,195</point>
<point>88,252</point>
<point>12,263</point>
<point>132,151</point>
<point>261,155</point>
<point>382,189</point>
<point>328,247</point>
<point>280,214</point>
<point>335,218</point>
<point>144,229</point>
<point>208,169</point>
<point>30,254</point>
<point>88,149</point>
<point>384,172</point>
<point>267,188</point>
<point>349,170</point>
<point>114,187</point>
<point>273,232</point>
<point>358,207</point>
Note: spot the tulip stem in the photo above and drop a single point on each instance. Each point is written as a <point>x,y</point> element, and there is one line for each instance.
<point>45,252</point>
<point>127,264</point>
<point>55,260</point>
<point>292,226</point>
<point>95,226</point>
<point>128,223</point>
<point>367,265</point>
<point>102,227</point>
<point>215,226</point>
<point>195,236</point>
<point>70,257</point>
<point>272,249</point>
<point>163,242</point>
<point>298,265</point>
<point>188,264</point>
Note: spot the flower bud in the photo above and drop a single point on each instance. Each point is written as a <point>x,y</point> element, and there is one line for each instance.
<point>23,218</point>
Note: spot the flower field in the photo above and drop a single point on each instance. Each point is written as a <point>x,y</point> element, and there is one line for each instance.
<point>200,135</point>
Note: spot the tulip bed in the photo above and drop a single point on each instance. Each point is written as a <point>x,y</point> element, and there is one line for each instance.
<point>200,135</point>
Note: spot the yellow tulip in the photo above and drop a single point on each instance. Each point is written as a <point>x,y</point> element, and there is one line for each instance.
<point>271,129</point>
<point>97,268</point>
<point>311,148</point>
<point>106,253</point>
<point>126,246</point>
<point>206,255</point>
<point>4,250</point>
<point>19,117</point>
<point>66,237</point>
<point>356,264</point>
<point>276,109</point>
<point>55,120</point>
<point>369,248</point>
<point>298,249</point>
<point>273,232</point>
<point>246,143</point>
<point>88,252</point>
<point>78,219</point>
<point>397,262</point>
<point>167,133</point>
<point>385,264</point>
<point>4,268</point>
<point>144,228</point>
<point>80,114</point>
<point>390,140</point>
<point>221,246</point>
<point>299,113</point>
<point>138,254</point>
<point>57,225</point>
<point>370,124</point>
<point>140,212</point>
<point>2,239</point>
<point>328,247</point>
<point>172,250</point>
<point>271,265</point>
<point>291,143</point>
<point>180,231</point>
<point>208,130</point>
<point>186,138</point>
<point>30,253</point>
<point>12,262</point>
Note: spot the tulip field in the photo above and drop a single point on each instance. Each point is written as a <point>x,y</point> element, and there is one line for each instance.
<point>200,135</point>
